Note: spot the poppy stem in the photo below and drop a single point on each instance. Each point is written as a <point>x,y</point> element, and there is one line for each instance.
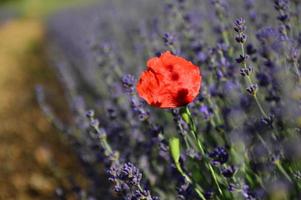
<point>175,151</point>
<point>187,117</point>
<point>196,187</point>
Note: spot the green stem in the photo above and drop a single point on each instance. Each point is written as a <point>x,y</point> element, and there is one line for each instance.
<point>214,178</point>
<point>260,106</point>
<point>104,143</point>
<point>186,114</point>
<point>216,111</point>
<point>282,170</point>
<point>251,83</point>
<point>197,189</point>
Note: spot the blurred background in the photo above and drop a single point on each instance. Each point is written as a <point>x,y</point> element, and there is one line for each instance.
<point>34,158</point>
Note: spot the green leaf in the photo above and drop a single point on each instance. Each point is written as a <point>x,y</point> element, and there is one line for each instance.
<point>175,149</point>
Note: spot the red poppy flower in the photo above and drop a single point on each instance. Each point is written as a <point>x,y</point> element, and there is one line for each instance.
<point>170,81</point>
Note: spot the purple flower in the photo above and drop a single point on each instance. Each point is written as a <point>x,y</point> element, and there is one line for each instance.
<point>219,155</point>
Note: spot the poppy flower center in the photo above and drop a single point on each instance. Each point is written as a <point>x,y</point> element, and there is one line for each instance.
<point>175,76</point>
<point>181,96</point>
<point>169,68</point>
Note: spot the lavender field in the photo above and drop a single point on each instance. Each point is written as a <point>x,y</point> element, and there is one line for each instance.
<point>176,99</point>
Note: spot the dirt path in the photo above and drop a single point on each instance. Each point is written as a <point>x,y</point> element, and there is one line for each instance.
<point>33,158</point>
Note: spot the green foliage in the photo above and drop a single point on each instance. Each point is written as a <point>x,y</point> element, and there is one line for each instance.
<point>174,145</point>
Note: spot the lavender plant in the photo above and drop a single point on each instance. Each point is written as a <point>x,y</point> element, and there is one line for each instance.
<point>239,139</point>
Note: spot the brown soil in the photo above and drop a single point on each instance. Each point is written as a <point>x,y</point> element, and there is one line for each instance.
<point>34,158</point>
